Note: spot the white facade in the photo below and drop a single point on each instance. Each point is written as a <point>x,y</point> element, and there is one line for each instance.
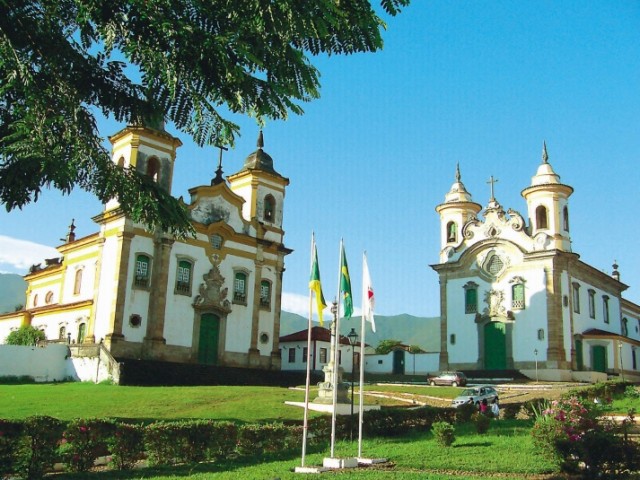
<point>212,299</point>
<point>514,295</point>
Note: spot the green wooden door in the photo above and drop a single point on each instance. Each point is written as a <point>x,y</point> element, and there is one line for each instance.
<point>599,358</point>
<point>495,346</point>
<point>209,336</point>
<point>579,355</point>
<point>398,362</point>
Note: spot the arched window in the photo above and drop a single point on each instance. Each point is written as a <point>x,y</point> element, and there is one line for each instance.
<point>77,283</point>
<point>216,241</point>
<point>625,327</point>
<point>183,277</point>
<point>143,263</point>
<point>62,333</point>
<point>452,232</point>
<point>576,297</point>
<point>269,208</point>
<point>153,168</point>
<point>121,162</point>
<point>517,296</point>
<point>605,308</point>
<point>48,298</point>
<point>82,332</point>
<point>265,294</point>
<point>240,288</point>
<point>35,300</point>
<point>592,303</point>
<point>541,217</point>
<point>565,218</point>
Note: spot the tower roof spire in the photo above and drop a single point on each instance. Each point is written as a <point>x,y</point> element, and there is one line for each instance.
<point>545,156</point>
<point>458,177</point>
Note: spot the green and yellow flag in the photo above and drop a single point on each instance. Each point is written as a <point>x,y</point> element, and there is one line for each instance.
<point>345,284</point>
<point>314,283</point>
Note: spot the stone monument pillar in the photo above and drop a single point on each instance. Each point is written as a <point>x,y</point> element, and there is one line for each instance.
<point>325,390</point>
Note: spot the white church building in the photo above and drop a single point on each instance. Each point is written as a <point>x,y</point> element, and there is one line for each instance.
<point>212,299</point>
<point>514,296</point>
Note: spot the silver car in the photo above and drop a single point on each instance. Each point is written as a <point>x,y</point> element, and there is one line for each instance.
<point>475,395</point>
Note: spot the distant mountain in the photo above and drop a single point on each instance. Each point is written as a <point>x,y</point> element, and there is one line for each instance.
<point>12,292</point>
<point>409,330</point>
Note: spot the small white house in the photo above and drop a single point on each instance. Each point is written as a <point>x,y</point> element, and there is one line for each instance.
<point>293,350</point>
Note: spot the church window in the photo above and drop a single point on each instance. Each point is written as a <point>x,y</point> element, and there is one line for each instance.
<point>565,218</point>
<point>48,298</point>
<point>153,169</point>
<point>62,333</point>
<point>517,296</point>
<point>142,271</point>
<point>605,308</point>
<point>183,277</point>
<point>121,162</point>
<point>495,265</point>
<point>304,355</point>
<point>135,320</point>
<point>81,332</point>
<point>35,300</point>
<point>452,232</point>
<point>540,334</point>
<point>592,303</point>
<point>269,208</point>
<point>541,217</point>
<point>452,339</point>
<point>625,327</point>
<point>240,288</point>
<point>471,297</point>
<point>77,284</point>
<point>265,294</point>
<point>576,297</point>
<point>292,355</point>
<point>216,241</point>
<point>339,357</point>
<point>323,355</point>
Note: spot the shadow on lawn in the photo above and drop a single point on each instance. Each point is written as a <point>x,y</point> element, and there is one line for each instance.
<point>472,444</point>
<point>186,470</point>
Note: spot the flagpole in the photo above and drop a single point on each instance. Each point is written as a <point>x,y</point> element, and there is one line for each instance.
<point>336,349</point>
<point>305,423</point>
<point>363,331</point>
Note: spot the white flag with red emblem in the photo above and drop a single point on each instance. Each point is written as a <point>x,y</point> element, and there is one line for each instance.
<point>368,299</point>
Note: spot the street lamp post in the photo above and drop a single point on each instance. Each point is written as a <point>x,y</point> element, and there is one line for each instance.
<point>535,352</point>
<point>353,339</point>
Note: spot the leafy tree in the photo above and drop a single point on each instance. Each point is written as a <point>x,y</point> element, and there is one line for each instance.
<point>25,335</point>
<point>416,349</point>
<point>189,62</point>
<point>385,346</point>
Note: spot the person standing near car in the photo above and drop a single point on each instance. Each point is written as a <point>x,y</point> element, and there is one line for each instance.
<point>495,408</point>
<point>484,406</point>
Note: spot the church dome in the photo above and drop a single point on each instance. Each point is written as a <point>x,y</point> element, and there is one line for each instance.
<point>545,174</point>
<point>260,160</point>
<point>458,192</point>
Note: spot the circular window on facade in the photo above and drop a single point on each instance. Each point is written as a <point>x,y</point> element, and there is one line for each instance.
<point>48,298</point>
<point>264,337</point>
<point>135,320</point>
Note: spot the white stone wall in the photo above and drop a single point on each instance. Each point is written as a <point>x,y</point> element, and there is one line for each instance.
<point>7,325</point>
<point>299,364</point>
<point>414,364</point>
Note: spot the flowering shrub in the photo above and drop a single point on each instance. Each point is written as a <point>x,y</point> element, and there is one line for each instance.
<point>9,434</point>
<point>36,451</point>
<point>83,441</point>
<point>126,445</point>
<point>570,433</point>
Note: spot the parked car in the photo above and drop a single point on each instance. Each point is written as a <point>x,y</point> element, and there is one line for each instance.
<point>475,395</point>
<point>454,379</point>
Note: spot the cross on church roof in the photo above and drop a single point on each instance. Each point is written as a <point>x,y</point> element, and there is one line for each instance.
<point>492,181</point>
<point>218,178</point>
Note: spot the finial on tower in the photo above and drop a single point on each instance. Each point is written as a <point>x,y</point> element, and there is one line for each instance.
<point>458,177</point>
<point>71,236</point>
<point>615,274</point>
<point>260,140</point>
<point>218,178</point>
<point>545,157</point>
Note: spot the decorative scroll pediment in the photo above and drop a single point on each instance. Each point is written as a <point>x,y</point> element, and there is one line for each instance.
<point>212,295</point>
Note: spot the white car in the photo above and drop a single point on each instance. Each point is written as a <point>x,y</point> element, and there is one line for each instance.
<point>475,395</point>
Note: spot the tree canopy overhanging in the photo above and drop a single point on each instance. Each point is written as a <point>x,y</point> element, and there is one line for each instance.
<point>189,62</point>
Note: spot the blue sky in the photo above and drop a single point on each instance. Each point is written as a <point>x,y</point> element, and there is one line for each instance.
<point>479,83</point>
